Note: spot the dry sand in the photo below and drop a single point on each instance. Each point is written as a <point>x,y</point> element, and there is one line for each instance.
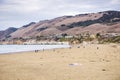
<point>87,63</point>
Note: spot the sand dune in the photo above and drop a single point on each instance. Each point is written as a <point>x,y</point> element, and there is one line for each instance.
<point>87,63</point>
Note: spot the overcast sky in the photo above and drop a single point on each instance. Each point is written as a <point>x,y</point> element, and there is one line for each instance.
<point>16,13</point>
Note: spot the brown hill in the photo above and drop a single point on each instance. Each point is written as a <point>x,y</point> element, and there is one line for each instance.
<point>6,33</point>
<point>107,21</point>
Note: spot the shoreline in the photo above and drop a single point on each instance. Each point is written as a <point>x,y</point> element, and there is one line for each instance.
<point>32,48</point>
<point>70,46</point>
<point>30,51</point>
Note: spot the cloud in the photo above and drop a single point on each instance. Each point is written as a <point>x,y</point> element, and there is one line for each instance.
<point>21,6</point>
<point>25,11</point>
<point>115,2</point>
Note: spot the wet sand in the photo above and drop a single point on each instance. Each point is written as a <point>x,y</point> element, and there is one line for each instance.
<point>92,62</point>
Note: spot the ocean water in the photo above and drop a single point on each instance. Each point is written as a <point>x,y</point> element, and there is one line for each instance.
<point>19,48</point>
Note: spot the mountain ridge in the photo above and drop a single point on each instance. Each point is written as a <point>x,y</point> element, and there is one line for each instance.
<point>6,33</point>
<point>106,21</point>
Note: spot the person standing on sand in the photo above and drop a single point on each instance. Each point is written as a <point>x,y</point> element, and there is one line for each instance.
<point>43,49</point>
<point>97,47</point>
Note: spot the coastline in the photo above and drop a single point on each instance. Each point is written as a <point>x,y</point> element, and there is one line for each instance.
<point>31,51</point>
<point>83,62</point>
<point>6,49</point>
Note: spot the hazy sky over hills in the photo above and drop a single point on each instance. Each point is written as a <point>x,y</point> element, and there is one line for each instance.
<point>16,13</point>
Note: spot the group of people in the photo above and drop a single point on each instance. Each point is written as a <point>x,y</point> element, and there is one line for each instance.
<point>36,51</point>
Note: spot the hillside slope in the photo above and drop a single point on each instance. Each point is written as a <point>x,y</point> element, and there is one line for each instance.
<point>107,21</point>
<point>6,33</point>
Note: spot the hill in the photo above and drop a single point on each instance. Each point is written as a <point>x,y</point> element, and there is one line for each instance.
<point>6,33</point>
<point>106,21</point>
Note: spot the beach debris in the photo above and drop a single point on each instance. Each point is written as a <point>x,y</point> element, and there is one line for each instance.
<point>107,60</point>
<point>70,47</point>
<point>75,64</point>
<point>103,69</point>
<point>97,47</point>
<point>78,46</point>
<point>92,61</point>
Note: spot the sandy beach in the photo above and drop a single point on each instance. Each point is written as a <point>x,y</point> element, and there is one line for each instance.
<point>92,62</point>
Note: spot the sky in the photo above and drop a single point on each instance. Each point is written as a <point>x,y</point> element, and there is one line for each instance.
<point>16,13</point>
